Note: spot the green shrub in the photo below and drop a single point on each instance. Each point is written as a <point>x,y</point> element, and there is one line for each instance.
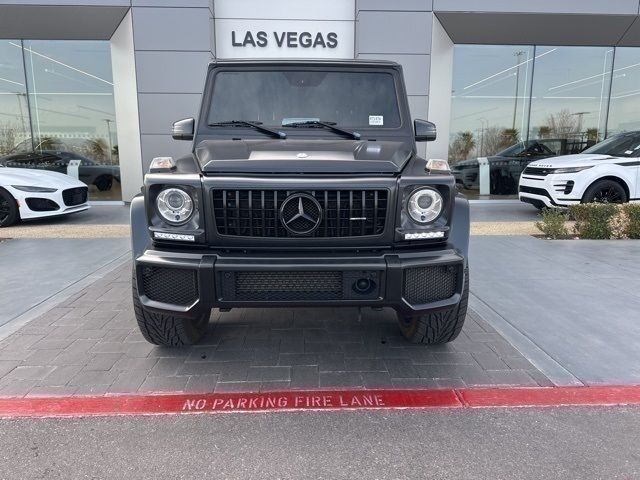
<point>633,212</point>
<point>552,223</point>
<point>593,219</point>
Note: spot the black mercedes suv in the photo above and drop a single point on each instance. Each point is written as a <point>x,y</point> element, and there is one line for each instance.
<point>302,188</point>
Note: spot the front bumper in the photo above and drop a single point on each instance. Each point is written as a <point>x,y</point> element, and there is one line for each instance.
<point>410,282</point>
<point>553,190</point>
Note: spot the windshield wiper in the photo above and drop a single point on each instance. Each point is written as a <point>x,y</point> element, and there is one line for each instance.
<point>256,125</point>
<point>331,126</point>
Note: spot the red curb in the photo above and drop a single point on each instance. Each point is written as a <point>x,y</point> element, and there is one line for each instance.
<point>227,402</point>
<point>329,400</point>
<point>550,396</point>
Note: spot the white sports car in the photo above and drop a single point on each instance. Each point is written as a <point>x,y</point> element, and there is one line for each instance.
<point>27,194</point>
<point>607,172</point>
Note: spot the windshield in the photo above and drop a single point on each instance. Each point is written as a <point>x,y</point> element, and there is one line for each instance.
<point>278,98</point>
<point>532,147</point>
<point>618,146</point>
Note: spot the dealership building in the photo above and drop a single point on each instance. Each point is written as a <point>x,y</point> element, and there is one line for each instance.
<point>104,79</point>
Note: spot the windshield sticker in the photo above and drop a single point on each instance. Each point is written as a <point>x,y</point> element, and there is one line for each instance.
<point>376,120</point>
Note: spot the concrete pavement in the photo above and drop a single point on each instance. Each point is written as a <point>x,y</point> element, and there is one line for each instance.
<point>34,270</point>
<point>537,444</point>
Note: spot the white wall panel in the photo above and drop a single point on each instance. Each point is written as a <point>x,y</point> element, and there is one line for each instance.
<point>285,9</point>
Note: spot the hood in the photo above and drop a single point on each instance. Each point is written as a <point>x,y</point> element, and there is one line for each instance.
<point>577,160</point>
<point>303,156</point>
<point>37,178</point>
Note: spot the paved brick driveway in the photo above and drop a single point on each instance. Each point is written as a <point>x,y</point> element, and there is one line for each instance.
<point>90,345</point>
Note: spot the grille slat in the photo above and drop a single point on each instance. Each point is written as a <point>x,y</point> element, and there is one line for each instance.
<point>236,213</point>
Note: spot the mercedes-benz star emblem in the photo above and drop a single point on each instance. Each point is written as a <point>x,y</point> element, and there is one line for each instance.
<point>300,213</point>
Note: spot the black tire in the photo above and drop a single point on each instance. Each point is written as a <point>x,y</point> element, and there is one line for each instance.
<point>605,191</point>
<point>103,183</point>
<point>437,327</point>
<point>168,330</point>
<point>9,213</point>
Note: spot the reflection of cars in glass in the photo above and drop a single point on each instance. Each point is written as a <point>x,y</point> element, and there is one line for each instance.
<point>607,172</point>
<point>90,172</point>
<point>28,194</point>
<point>373,224</point>
<point>506,166</point>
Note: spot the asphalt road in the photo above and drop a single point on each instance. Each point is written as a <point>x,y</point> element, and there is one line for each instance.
<point>560,443</point>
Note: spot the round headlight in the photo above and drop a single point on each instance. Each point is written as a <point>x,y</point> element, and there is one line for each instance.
<point>425,205</point>
<point>175,206</point>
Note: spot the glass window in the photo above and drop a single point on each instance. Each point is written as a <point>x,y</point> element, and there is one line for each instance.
<point>623,145</point>
<point>624,109</point>
<point>14,113</point>
<point>569,95</point>
<point>350,99</point>
<point>490,99</point>
<point>72,110</point>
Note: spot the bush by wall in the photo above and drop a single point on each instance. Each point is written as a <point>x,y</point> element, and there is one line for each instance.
<point>593,221</point>
<point>553,223</point>
<point>633,212</point>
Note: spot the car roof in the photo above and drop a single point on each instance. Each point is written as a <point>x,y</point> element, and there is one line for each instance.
<point>304,62</point>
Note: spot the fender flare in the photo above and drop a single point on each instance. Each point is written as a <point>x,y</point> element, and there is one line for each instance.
<point>460,227</point>
<point>140,239</point>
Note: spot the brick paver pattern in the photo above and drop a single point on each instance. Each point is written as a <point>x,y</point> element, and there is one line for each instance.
<point>90,345</point>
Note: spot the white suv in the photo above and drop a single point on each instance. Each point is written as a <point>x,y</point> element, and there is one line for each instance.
<point>606,172</point>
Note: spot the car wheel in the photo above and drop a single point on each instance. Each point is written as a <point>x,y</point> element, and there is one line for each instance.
<point>168,330</point>
<point>103,183</point>
<point>605,191</point>
<point>437,327</point>
<point>9,213</point>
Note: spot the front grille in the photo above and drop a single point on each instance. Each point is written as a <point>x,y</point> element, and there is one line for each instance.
<point>74,196</point>
<point>282,286</point>
<point>177,286</point>
<point>430,284</point>
<point>256,213</point>
<point>539,171</point>
<point>42,205</point>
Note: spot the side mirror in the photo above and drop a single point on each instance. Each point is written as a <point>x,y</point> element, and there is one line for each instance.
<point>183,129</point>
<point>425,131</point>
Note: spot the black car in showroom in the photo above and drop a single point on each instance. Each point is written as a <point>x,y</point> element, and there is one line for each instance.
<point>506,166</point>
<point>89,171</point>
<point>303,188</point>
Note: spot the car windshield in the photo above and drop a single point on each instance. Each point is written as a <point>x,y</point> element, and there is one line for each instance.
<point>533,147</point>
<point>304,98</point>
<point>619,146</point>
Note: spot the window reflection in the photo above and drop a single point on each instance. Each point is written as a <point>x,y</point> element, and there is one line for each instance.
<point>624,109</point>
<point>552,101</point>
<point>569,95</point>
<point>14,118</point>
<point>67,111</point>
<point>489,99</point>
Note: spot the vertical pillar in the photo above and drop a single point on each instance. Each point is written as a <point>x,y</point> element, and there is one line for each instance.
<point>125,92</point>
<point>440,85</point>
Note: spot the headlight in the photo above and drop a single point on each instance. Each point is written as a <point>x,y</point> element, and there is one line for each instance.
<point>32,189</point>
<point>175,206</point>
<point>571,169</point>
<point>425,205</point>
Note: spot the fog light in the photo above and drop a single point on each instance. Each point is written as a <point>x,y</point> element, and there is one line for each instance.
<point>174,236</point>
<point>423,235</point>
